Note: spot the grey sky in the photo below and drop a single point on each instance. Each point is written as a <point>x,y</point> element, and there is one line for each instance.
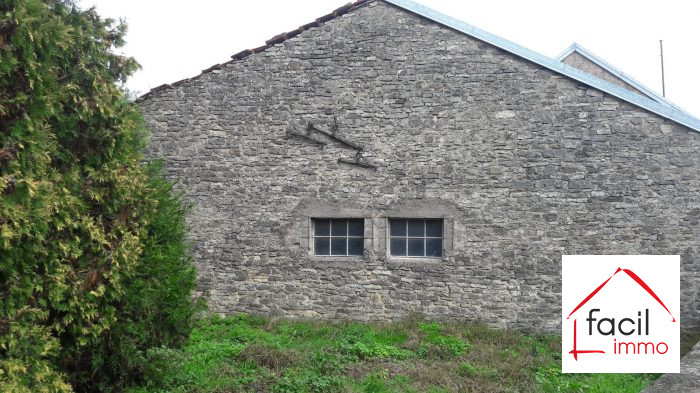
<point>177,39</point>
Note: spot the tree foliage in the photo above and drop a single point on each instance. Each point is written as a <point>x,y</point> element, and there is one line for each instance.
<point>93,264</point>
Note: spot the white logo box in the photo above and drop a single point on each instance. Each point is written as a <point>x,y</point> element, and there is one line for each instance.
<point>625,311</point>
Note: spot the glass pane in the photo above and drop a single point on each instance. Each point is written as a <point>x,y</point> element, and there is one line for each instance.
<point>322,227</point>
<point>356,227</point>
<point>398,247</point>
<point>339,227</point>
<point>433,228</point>
<point>338,246</point>
<point>321,246</point>
<point>415,247</point>
<point>397,227</point>
<point>433,247</point>
<point>356,246</point>
<point>415,228</point>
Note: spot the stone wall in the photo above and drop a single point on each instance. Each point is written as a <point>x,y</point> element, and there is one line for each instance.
<point>524,164</point>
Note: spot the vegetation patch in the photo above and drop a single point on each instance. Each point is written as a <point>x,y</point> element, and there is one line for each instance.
<point>245,353</point>
<point>95,272</point>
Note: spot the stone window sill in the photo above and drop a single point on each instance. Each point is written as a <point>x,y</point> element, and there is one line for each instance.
<point>338,258</point>
<point>335,262</point>
<point>433,263</point>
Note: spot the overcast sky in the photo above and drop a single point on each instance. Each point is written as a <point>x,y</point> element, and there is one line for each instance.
<point>174,39</point>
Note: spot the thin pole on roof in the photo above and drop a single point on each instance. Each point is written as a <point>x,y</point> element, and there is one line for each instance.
<point>663,82</point>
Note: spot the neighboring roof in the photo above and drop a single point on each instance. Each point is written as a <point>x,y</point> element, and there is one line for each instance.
<point>581,62</point>
<point>660,109</point>
<point>663,110</point>
<point>576,48</point>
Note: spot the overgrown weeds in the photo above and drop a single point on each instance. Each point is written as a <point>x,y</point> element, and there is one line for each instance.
<point>245,353</point>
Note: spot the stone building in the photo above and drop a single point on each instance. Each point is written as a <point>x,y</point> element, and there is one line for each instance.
<point>387,159</point>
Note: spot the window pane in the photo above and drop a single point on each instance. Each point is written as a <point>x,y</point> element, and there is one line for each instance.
<point>433,247</point>
<point>415,247</point>
<point>322,227</point>
<point>339,227</point>
<point>397,227</point>
<point>415,228</point>
<point>338,246</point>
<point>356,227</point>
<point>356,246</point>
<point>433,228</point>
<point>398,247</point>
<point>321,246</point>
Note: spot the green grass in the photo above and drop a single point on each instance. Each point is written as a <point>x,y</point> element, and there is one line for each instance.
<point>245,353</point>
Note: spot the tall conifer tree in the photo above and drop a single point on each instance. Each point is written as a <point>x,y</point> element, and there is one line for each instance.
<point>93,265</point>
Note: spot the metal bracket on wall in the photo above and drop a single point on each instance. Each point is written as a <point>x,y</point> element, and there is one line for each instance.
<point>333,135</point>
<point>305,136</point>
<point>357,161</point>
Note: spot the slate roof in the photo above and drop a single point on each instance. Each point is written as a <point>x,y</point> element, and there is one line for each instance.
<point>663,109</point>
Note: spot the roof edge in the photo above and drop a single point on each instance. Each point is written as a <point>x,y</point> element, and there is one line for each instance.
<point>569,50</point>
<point>663,110</point>
<point>279,38</point>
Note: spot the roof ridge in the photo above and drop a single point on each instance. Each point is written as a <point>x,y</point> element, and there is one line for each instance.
<point>279,38</point>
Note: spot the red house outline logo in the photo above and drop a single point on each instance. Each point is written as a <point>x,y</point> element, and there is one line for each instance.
<point>575,351</point>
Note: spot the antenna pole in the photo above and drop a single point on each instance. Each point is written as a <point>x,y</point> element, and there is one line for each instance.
<point>663,81</point>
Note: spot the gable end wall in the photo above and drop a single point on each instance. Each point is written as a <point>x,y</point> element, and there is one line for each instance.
<point>524,165</point>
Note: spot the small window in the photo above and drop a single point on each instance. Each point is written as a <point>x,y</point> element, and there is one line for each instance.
<point>415,237</point>
<point>339,236</point>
